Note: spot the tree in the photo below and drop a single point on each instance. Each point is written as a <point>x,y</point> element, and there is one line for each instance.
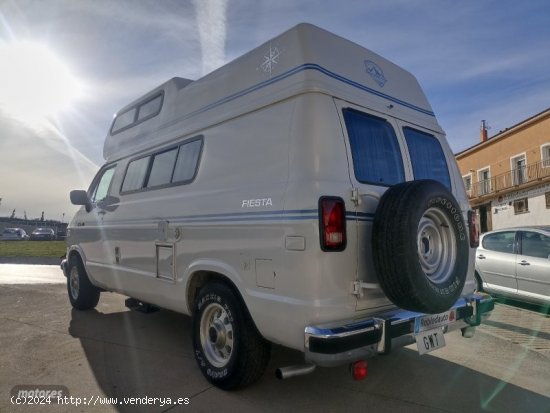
<point>12,214</point>
<point>42,217</point>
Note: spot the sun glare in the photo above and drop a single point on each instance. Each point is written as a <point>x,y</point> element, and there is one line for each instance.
<point>34,83</point>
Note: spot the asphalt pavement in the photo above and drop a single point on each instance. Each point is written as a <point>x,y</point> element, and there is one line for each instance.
<point>109,355</point>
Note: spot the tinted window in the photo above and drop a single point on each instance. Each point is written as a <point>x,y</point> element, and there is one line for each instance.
<point>427,157</point>
<point>500,241</point>
<point>375,150</point>
<point>102,189</point>
<point>534,244</point>
<point>123,120</point>
<point>135,174</point>
<point>163,166</point>
<point>188,159</point>
<point>150,108</point>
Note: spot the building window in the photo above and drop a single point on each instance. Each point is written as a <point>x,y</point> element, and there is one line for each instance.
<point>467,179</point>
<point>519,169</point>
<point>484,178</point>
<point>547,195</point>
<point>545,154</point>
<point>521,206</point>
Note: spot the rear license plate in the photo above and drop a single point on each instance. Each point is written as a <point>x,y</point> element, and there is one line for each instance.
<point>428,330</point>
<point>430,340</point>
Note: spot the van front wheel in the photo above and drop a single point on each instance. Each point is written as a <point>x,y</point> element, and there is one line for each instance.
<point>229,350</point>
<point>83,295</point>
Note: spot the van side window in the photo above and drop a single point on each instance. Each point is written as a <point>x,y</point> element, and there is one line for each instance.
<point>188,160</point>
<point>163,166</point>
<point>124,120</point>
<point>427,157</point>
<point>177,165</point>
<point>101,190</point>
<point>137,114</point>
<point>150,108</point>
<point>135,174</point>
<point>374,149</point>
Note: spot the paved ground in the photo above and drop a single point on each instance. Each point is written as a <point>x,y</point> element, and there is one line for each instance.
<point>113,353</point>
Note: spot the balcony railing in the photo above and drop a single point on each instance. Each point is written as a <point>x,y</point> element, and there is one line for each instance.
<point>511,179</point>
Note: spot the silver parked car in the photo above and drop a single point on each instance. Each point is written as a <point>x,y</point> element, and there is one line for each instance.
<point>515,262</point>
<point>14,234</point>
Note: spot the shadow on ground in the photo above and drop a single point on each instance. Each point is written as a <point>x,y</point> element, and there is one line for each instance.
<point>132,354</point>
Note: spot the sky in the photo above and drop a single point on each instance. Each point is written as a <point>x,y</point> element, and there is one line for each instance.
<point>66,66</point>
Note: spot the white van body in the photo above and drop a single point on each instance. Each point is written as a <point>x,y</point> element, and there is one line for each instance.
<point>266,139</point>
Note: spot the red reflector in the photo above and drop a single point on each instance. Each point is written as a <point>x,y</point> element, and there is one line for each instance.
<point>359,370</point>
<point>474,230</point>
<point>333,224</point>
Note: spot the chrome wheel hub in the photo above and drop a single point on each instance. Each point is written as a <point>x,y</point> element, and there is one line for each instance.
<point>437,247</point>
<point>216,335</point>
<point>74,283</point>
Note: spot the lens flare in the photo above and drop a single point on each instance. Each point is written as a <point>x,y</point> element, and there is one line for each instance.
<point>35,84</point>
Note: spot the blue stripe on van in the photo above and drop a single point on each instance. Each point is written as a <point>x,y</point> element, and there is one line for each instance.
<point>290,215</point>
<point>297,214</point>
<point>359,216</point>
<point>307,66</point>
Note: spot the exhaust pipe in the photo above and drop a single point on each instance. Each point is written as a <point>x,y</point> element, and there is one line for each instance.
<point>292,371</point>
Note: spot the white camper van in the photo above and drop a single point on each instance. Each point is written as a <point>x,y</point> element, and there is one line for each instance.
<point>303,194</point>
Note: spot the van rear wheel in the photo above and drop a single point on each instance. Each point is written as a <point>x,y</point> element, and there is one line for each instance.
<point>83,295</point>
<point>229,350</point>
<point>420,246</point>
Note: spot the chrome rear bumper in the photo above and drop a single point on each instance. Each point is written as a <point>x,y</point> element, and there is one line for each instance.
<point>347,341</point>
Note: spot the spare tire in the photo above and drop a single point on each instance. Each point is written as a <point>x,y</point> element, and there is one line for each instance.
<point>420,246</point>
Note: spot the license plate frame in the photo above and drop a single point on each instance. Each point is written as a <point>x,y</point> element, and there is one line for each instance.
<point>434,321</point>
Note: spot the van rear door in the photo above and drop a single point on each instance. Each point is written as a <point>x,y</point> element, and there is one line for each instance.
<point>377,159</point>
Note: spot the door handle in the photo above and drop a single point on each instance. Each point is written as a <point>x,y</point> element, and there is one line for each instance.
<point>481,256</point>
<point>524,263</point>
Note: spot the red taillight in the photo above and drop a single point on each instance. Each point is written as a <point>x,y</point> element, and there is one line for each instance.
<point>332,215</point>
<point>359,370</point>
<point>474,230</point>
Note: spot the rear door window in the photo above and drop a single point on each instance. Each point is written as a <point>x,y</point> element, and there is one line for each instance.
<point>427,156</point>
<point>374,149</point>
<point>534,244</point>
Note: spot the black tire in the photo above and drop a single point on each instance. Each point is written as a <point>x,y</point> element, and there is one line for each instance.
<point>420,246</point>
<point>229,350</point>
<point>83,295</point>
